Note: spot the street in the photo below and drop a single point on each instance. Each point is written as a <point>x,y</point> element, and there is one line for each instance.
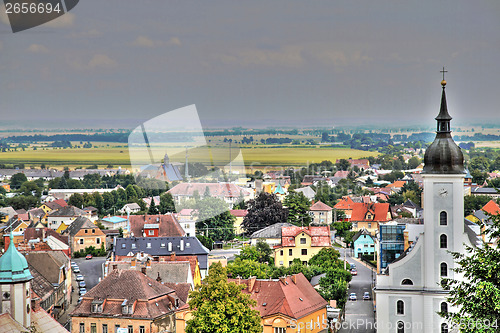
<point>90,269</point>
<point>359,315</point>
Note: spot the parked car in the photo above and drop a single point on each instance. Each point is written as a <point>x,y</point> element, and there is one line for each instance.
<point>354,272</point>
<point>353,266</point>
<point>82,284</point>
<point>76,269</point>
<point>89,256</point>
<point>353,297</point>
<point>79,278</point>
<point>366,296</point>
<point>83,291</point>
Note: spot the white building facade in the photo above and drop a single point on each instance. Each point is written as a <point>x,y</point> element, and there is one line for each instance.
<point>408,293</point>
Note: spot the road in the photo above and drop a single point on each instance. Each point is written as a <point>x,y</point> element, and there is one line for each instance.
<point>359,315</point>
<point>90,269</point>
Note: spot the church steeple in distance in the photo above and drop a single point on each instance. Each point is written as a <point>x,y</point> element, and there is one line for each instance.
<point>443,156</point>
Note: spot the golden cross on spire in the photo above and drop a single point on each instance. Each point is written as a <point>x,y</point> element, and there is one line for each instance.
<point>443,83</point>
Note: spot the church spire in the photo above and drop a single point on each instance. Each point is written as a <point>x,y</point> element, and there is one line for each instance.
<point>443,118</point>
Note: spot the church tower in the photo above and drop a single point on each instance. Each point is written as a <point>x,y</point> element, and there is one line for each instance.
<point>15,280</point>
<point>408,293</point>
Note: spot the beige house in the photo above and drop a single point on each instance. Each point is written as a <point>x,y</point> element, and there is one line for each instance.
<point>83,233</point>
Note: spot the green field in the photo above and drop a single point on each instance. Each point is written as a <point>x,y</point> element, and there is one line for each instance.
<point>119,156</point>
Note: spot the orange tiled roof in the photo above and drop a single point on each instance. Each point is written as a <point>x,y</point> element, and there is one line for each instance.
<point>378,210</point>
<point>320,206</point>
<point>492,208</point>
<point>397,184</point>
<point>345,203</point>
<point>292,296</point>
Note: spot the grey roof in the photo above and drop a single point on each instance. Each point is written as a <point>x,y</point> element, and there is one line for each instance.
<point>79,223</point>
<point>9,211</point>
<point>485,190</point>
<point>169,271</point>
<point>361,232</point>
<point>272,231</point>
<point>158,246</point>
<point>67,211</point>
<point>472,229</point>
<point>480,215</point>
<point>307,191</point>
<point>411,204</point>
<point>315,279</point>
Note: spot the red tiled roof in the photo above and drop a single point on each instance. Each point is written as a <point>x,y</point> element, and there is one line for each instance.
<point>150,298</point>
<point>292,296</point>
<point>397,184</point>
<point>320,206</point>
<point>169,226</point>
<point>239,212</point>
<point>186,212</point>
<point>378,210</point>
<point>61,202</point>
<point>345,203</point>
<point>320,236</point>
<point>491,207</point>
<point>341,174</point>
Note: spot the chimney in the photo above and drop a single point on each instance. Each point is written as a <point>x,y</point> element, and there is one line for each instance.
<point>294,278</point>
<point>283,280</point>
<point>133,262</point>
<point>172,256</point>
<point>158,278</point>
<point>143,270</point>
<point>148,263</point>
<point>251,283</point>
<point>406,235</point>
<point>182,245</point>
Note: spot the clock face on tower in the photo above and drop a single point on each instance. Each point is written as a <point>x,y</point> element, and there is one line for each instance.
<point>443,192</point>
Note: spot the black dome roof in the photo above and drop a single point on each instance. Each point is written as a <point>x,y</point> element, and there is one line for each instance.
<point>443,156</point>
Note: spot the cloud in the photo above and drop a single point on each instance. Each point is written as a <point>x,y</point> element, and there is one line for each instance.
<point>289,56</point>
<point>63,21</point>
<point>143,41</point>
<point>37,48</point>
<point>1,44</point>
<point>101,61</point>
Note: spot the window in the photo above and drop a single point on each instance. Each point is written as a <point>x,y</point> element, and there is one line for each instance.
<point>369,225</point>
<point>444,328</point>
<point>443,218</point>
<point>124,245</point>
<point>290,252</point>
<point>302,241</point>
<point>444,269</point>
<point>81,241</point>
<point>151,232</point>
<point>133,245</point>
<point>400,307</point>
<point>93,231</point>
<point>117,327</point>
<point>142,329</point>
<point>444,307</point>
<point>82,327</point>
<point>407,282</point>
<point>280,330</point>
<point>443,241</point>
<point>281,252</point>
<point>148,245</point>
<point>98,241</point>
<point>162,245</point>
<point>104,328</point>
<point>130,329</point>
<point>304,252</point>
<point>281,262</point>
<point>93,328</point>
<point>86,231</point>
<point>290,263</point>
<point>400,327</point>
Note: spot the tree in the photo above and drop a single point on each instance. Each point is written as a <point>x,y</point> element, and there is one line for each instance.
<point>108,200</point>
<point>343,164</point>
<point>221,306</point>
<point>298,208</point>
<point>413,162</point>
<point>17,180</point>
<point>261,252</point>
<point>153,210</point>
<point>76,199</point>
<point>326,258</point>
<point>131,193</point>
<point>477,295</point>
<point>31,188</point>
<point>166,203</point>
<point>213,213</point>
<point>334,285</point>
<point>264,211</point>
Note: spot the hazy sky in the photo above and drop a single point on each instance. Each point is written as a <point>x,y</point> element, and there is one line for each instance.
<point>254,63</point>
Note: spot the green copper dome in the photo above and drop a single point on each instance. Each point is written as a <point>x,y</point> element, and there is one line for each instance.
<point>13,266</point>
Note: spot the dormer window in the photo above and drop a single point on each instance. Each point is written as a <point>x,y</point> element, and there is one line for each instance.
<point>126,307</point>
<point>302,241</point>
<point>97,305</point>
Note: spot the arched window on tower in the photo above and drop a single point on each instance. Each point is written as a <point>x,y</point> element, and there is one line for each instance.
<point>444,328</point>
<point>407,282</point>
<point>400,307</point>
<point>401,327</point>
<point>444,307</point>
<point>443,241</point>
<point>443,218</point>
<point>444,269</point>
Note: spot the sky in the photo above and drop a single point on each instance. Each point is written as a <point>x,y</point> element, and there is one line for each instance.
<point>119,63</point>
